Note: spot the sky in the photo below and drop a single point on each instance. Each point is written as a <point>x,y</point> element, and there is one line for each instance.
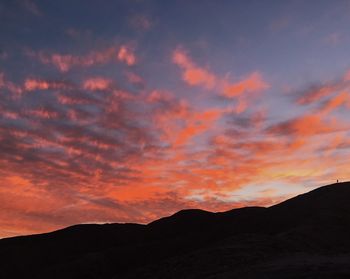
<point>128,111</point>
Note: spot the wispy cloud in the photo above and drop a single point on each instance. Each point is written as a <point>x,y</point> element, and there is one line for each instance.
<point>65,62</point>
<point>197,76</point>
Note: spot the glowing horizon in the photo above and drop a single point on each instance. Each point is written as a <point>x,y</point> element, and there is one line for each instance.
<point>129,111</point>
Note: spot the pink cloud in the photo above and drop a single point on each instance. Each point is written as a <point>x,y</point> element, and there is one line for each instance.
<point>347,76</point>
<point>2,80</point>
<point>241,106</point>
<point>43,113</point>
<point>96,84</point>
<point>126,55</point>
<point>64,62</point>
<point>31,84</point>
<point>10,86</point>
<point>134,78</point>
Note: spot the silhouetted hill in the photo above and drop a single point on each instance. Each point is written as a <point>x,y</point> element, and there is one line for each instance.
<point>304,237</point>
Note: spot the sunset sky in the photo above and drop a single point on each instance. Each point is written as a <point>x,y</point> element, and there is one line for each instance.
<point>127,111</point>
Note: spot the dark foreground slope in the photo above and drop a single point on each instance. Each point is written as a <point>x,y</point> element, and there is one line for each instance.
<point>305,237</point>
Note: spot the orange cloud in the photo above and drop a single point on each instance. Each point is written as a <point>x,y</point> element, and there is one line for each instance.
<point>178,121</point>
<point>319,92</point>
<point>306,125</point>
<point>315,94</point>
<point>341,99</point>
<point>193,74</point>
<point>198,76</point>
<point>197,124</point>
<point>253,83</point>
<point>241,106</point>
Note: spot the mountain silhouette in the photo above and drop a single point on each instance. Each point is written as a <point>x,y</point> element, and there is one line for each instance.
<point>307,236</point>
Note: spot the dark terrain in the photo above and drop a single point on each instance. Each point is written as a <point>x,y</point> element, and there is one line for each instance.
<point>305,237</point>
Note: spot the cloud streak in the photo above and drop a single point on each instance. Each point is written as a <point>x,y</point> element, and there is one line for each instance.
<point>65,62</point>
<point>194,75</point>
